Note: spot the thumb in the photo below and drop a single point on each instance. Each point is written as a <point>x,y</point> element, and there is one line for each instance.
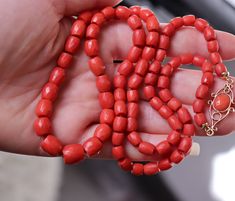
<point>73,7</point>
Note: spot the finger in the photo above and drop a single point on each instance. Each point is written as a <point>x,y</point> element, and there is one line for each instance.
<point>73,7</point>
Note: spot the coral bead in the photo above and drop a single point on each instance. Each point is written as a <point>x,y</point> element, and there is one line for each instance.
<point>72,44</point>
<point>176,156</point>
<point>156,103</point>
<point>92,31</point>
<point>106,100</point>
<point>107,116</point>
<point>123,12</point>
<point>149,92</point>
<point>118,152</point>
<point>164,42</point>
<point>98,19</point>
<point>85,16</point>
<point>119,124</point>
<point>103,83</point>
<point>165,95</point>
<point>132,96</point>
<point>207,66</point>
<point>120,108</point>
<point>165,112</point>
<point>148,53</point>
<point>97,66</point>
<point>198,60</point>
<point>135,81</point>
<point>44,108</point>
<point>42,126</point>
<point>137,169</point>
<point>119,81</point>
<point>202,91</point>
<point>139,37</point>
<point>200,24</point>
<point>73,153</point>
<point>209,33</point>
<point>213,46</point>
<point>135,9</point>
<point>184,115</point>
<point>163,82</point>
<point>198,105</point>
<point>160,55</point>
<point>134,54</point>
<point>151,168</point>
<point>163,147</point>
<point>220,68</point>
<point>125,164</point>
<point>221,102</point>
<point>91,47</point>
<point>155,67</point>
<point>134,138</point>
<point>215,58</point>
<point>174,104</point>
<point>141,67</point>
<point>134,22</point>
<point>125,68</point>
<point>145,14</point>
<point>167,70</point>
<point>64,60</point>
<point>133,110</point>
<point>207,78</point>
<point>119,94</point>
<point>168,30</point>
<point>146,148</point>
<point>189,20</point>
<point>117,138</point>
<point>92,146</point>
<point>200,119</point>
<point>132,124</point>
<point>185,144</point>
<point>164,164</point>
<point>78,28</point>
<point>186,58</point>
<point>150,79</point>
<point>174,137</point>
<point>174,122</point>
<point>109,12</point>
<point>51,145</point>
<point>103,132</point>
<point>175,62</point>
<point>188,130</point>
<point>152,23</point>
<point>50,91</point>
<point>177,22</point>
<point>152,39</point>
<point>57,76</point>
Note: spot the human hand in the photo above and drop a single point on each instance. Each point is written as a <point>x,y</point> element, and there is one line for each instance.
<point>30,52</point>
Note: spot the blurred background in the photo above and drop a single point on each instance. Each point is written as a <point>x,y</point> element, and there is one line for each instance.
<point>208,177</point>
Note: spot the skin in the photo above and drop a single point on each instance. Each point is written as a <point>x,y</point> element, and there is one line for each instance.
<point>31,41</point>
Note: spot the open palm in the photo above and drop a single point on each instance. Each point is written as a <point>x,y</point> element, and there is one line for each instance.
<point>32,36</point>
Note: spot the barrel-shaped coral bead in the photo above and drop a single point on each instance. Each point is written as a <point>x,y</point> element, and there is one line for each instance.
<point>184,115</point>
<point>72,44</point>
<point>164,42</point>
<point>125,164</point>
<point>148,53</point>
<point>92,146</point>
<point>198,105</point>
<point>167,70</point>
<point>186,58</point>
<point>73,153</point>
<point>174,104</point>
<point>174,137</point>
<point>98,18</point>
<point>213,46</point>
<point>165,95</point>
<point>132,96</point>
<point>146,148</point>
<point>134,138</point>
<point>137,169</point>
<point>189,20</point>
<point>85,16</point>
<point>42,126</point>
<point>107,116</point>
<point>134,22</point>
<point>135,81</point>
<point>188,129</point>
<point>168,29</point>
<point>133,110</point>
<point>64,60</point>
<point>207,78</point>
<point>132,124</point>
<point>156,103</point>
<point>120,108</point>
<point>103,132</point>
<point>176,156</point>
<point>91,47</point>
<point>152,39</point>
<point>155,67</point>
<point>207,66</point>
<point>109,12</point>
<point>106,100</point>
<point>103,83</point>
<point>177,22</point>
<point>200,119</point>
<point>92,31</point>
<point>44,108</point>
<point>160,54</point>
<point>174,122</point>
<point>135,9</point>
<point>125,68</point>
<point>117,138</point>
<point>119,94</point>
<point>150,79</point>
<point>145,13</point>
<point>141,67</point>
<point>185,144</point>
<point>163,147</point>
<point>220,68</point>
<point>215,58</point>
<point>202,91</point>
<point>151,168</point>
<point>119,81</point>
<point>78,28</point>
<point>164,164</point>
<point>122,12</point>
<point>50,91</point>
<point>200,24</point>
<point>149,92</point>
<point>134,54</point>
<point>209,33</point>
<point>52,145</point>
<point>118,152</point>
<point>139,37</point>
<point>119,124</point>
<point>198,60</point>
<point>175,62</point>
<point>165,111</point>
<point>97,66</point>
<point>152,23</point>
<point>163,81</point>
<point>57,75</point>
